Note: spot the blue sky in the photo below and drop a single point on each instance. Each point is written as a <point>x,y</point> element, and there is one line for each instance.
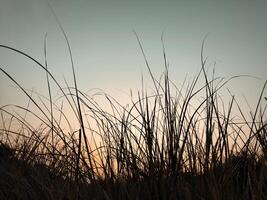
<point>106,53</point>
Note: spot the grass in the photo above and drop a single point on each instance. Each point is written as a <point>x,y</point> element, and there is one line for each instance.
<point>176,143</point>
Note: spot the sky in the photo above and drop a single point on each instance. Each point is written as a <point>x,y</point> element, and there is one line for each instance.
<point>106,53</point>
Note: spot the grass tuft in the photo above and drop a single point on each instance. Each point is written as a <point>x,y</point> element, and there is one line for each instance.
<point>173,143</point>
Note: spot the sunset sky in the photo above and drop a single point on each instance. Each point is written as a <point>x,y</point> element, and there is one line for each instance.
<point>106,53</point>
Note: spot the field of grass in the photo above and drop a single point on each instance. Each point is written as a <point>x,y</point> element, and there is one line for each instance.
<point>174,143</point>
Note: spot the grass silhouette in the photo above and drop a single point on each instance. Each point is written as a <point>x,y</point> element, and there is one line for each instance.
<point>160,146</point>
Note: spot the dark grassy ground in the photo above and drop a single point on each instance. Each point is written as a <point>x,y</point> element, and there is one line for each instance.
<point>240,178</point>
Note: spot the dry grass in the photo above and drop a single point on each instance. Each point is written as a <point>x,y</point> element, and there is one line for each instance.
<point>177,143</point>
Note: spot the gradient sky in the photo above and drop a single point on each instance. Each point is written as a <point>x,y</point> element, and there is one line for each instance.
<point>106,53</point>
